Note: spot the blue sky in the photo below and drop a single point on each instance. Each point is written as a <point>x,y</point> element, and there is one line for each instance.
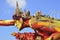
<point>48,7</point>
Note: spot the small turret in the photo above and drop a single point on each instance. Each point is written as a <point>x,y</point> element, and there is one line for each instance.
<point>28,15</point>
<point>38,14</point>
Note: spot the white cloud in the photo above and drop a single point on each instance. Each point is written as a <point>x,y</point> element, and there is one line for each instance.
<point>22,3</point>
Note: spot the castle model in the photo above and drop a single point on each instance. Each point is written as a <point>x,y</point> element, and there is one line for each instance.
<point>45,27</point>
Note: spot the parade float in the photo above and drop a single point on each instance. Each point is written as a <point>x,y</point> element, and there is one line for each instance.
<point>45,27</point>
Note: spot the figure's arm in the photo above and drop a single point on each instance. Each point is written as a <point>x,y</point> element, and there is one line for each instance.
<point>7,22</point>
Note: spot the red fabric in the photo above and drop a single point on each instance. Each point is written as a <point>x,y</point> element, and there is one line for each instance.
<point>27,36</point>
<point>27,21</point>
<point>35,25</point>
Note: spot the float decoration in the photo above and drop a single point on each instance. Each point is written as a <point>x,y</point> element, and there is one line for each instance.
<point>45,27</point>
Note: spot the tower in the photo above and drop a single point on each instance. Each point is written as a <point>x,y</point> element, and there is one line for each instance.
<point>18,13</point>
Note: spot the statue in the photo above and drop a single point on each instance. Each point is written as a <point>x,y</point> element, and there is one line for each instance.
<point>44,28</point>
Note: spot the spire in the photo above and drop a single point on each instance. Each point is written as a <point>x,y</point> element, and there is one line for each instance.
<point>17,6</point>
<point>17,10</point>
